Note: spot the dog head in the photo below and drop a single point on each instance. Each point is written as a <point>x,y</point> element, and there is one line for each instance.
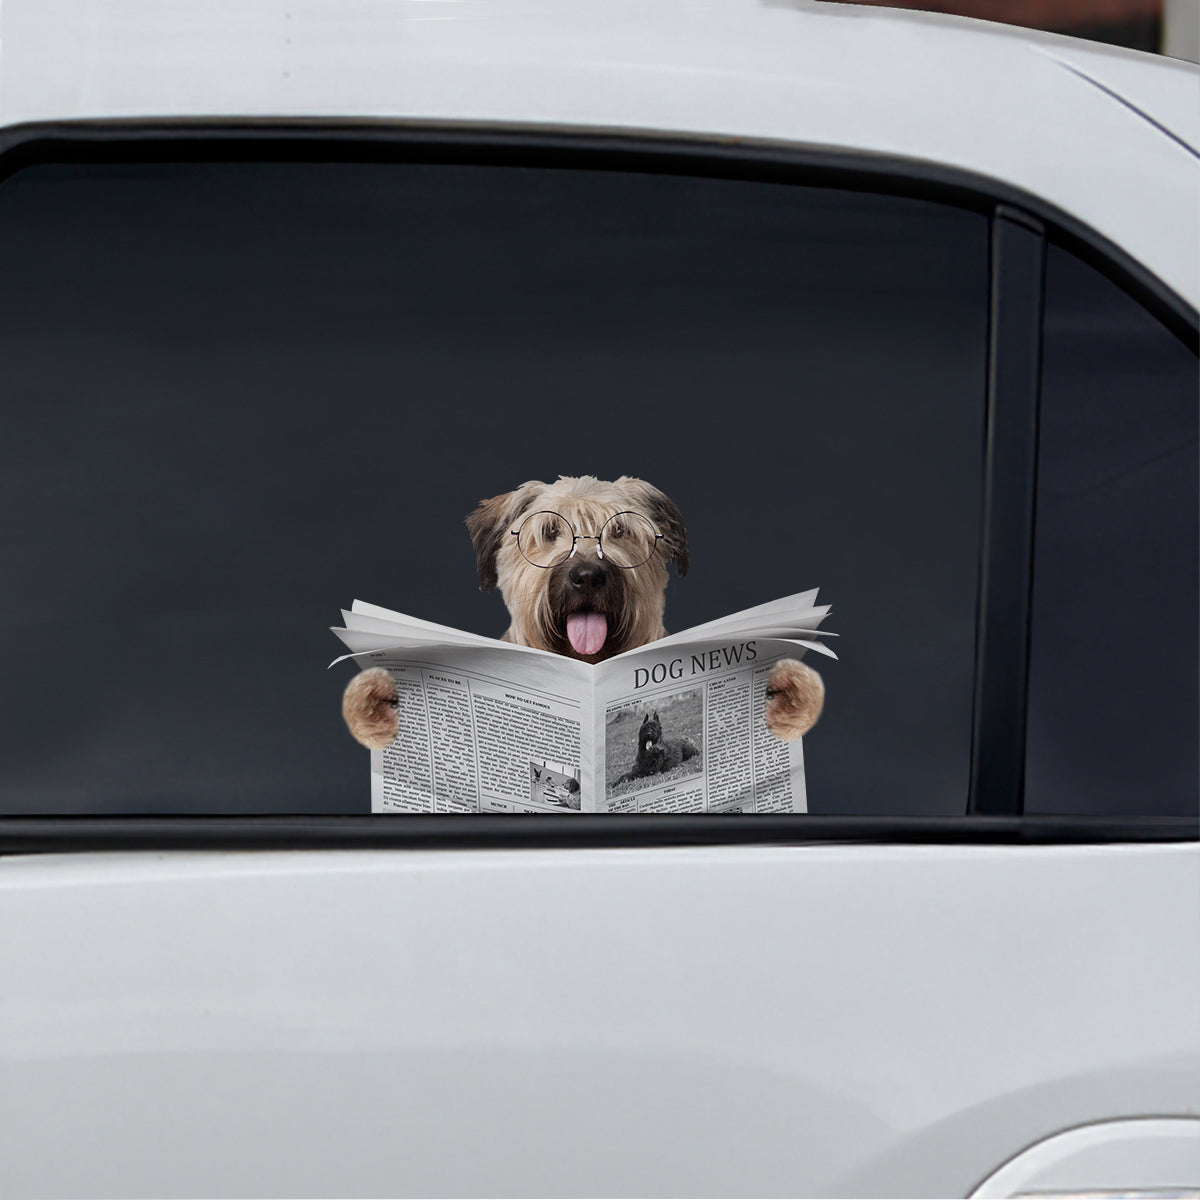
<point>585,606</point>
<point>650,733</point>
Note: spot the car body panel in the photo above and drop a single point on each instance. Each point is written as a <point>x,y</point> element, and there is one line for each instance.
<point>820,1019</point>
<point>981,98</point>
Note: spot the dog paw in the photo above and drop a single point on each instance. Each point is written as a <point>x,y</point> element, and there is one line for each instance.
<point>795,697</point>
<point>369,706</point>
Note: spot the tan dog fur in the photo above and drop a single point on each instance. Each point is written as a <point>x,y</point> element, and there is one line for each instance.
<point>539,600</point>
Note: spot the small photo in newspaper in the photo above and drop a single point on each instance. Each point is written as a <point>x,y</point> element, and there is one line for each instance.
<point>653,743</point>
<point>555,783</point>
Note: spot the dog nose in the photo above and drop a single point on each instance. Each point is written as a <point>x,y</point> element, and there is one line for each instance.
<point>588,576</point>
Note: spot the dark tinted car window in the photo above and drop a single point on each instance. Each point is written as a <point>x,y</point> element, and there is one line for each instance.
<point>1113,669</point>
<point>237,396</point>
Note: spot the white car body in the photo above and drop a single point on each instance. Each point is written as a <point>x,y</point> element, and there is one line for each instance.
<point>807,1020</point>
<point>803,1019</point>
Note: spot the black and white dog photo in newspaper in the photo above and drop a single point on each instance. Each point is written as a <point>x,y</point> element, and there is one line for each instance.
<point>667,744</point>
<point>582,566</point>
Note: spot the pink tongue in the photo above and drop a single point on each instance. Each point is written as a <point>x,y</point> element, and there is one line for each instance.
<point>586,632</point>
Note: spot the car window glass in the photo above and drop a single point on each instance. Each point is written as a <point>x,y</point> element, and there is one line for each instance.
<point>1113,709</point>
<point>239,395</point>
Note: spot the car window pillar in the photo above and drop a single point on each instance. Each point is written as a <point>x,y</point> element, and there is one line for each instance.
<point>1018,255</point>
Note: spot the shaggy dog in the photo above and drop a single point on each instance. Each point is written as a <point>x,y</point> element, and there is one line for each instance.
<point>584,604</point>
<point>656,753</point>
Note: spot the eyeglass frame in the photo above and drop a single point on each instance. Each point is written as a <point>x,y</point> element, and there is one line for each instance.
<point>576,538</point>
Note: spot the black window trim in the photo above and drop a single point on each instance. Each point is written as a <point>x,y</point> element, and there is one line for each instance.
<point>567,832</point>
<point>1021,225</point>
<point>1013,400</point>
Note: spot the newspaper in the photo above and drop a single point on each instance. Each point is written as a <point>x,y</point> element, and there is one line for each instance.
<point>675,726</point>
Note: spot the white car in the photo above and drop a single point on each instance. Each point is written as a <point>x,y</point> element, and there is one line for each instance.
<point>900,306</point>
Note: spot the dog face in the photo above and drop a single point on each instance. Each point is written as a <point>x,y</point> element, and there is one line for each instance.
<point>650,733</point>
<point>587,606</point>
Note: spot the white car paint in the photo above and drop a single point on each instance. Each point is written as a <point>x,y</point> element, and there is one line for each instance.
<point>1006,104</point>
<point>816,1020</point>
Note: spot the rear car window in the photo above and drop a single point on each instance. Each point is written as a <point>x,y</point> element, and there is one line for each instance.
<point>1114,694</point>
<point>239,395</point>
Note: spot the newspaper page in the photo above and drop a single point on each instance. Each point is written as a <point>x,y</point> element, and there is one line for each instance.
<point>680,724</point>
<point>482,727</point>
<point>675,726</point>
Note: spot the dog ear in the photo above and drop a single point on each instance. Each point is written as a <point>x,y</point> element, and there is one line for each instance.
<point>492,522</point>
<point>668,520</point>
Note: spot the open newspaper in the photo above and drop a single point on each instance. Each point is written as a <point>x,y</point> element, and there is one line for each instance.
<point>671,727</point>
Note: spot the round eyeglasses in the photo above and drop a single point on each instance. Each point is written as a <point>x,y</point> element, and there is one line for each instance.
<point>625,540</point>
